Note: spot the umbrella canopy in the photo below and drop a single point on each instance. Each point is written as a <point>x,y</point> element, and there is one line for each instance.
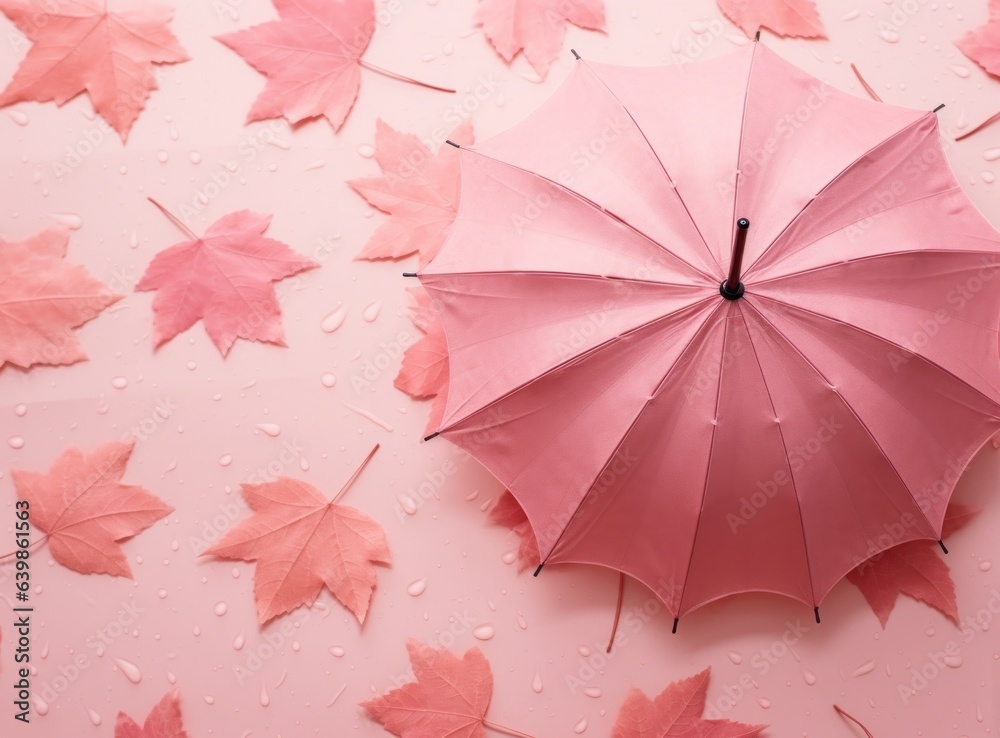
<point>705,427</point>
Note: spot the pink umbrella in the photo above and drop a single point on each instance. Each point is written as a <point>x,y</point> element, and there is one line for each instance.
<point>719,326</point>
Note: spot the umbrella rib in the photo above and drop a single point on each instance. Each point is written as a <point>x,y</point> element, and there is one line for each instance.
<point>708,467</point>
<point>663,167</point>
<point>594,205</point>
<point>803,246</point>
<point>829,184</point>
<point>850,407</point>
<point>570,275</point>
<point>895,345</point>
<point>568,360</point>
<point>635,420</point>
<point>739,150</point>
<point>784,446</point>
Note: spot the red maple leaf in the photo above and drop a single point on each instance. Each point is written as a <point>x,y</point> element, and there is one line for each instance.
<point>508,512</point>
<point>301,543</point>
<point>915,569</point>
<point>784,17</point>
<point>676,712</point>
<point>982,45</point>
<point>419,190</point>
<point>82,46</point>
<point>163,721</point>
<point>311,57</point>
<point>42,298</point>
<point>224,279</point>
<point>536,27</point>
<point>449,698</point>
<point>424,369</point>
<point>86,511</point>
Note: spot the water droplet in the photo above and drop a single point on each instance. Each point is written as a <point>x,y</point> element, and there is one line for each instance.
<point>328,379</point>
<point>371,312</point>
<point>961,71</point>
<point>366,150</point>
<point>20,410</point>
<point>171,677</point>
<point>580,726</point>
<point>334,320</point>
<point>239,641</point>
<point>119,382</point>
<point>316,164</point>
<point>70,220</point>
<point>889,36</point>
<point>536,683</point>
<point>991,154</point>
<point>338,651</point>
<point>18,117</point>
<point>417,588</point>
<point>583,651</point>
<point>94,717</point>
<point>736,658</point>
<point>851,14</point>
<point>408,505</point>
<point>194,157</point>
<point>370,416</point>
<point>130,670</point>
<point>265,700</point>
<point>953,661</point>
<point>448,49</point>
<point>985,566</point>
<point>764,702</point>
<point>484,632</point>
<point>521,622</point>
<point>303,463</point>
<point>988,177</point>
<point>162,156</point>
<point>594,692</point>
<point>865,668</point>
<point>209,699</point>
<point>220,609</point>
<point>809,677</point>
<point>225,460</point>
<point>15,442</point>
<point>162,594</point>
<point>41,706</point>
<point>698,27</point>
<point>509,557</point>
<point>271,429</point>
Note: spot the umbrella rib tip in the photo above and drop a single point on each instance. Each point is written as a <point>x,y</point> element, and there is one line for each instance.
<point>943,547</point>
<point>816,612</point>
<point>538,570</point>
<point>432,435</point>
<point>452,143</point>
<point>938,108</point>
<point>674,629</point>
<point>576,56</point>
<point>409,274</point>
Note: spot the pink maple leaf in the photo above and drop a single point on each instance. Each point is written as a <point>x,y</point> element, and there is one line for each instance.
<point>84,509</point>
<point>508,512</point>
<point>913,568</point>
<point>982,45</point>
<point>418,189</point>
<point>224,279</point>
<point>303,542</point>
<point>784,17</point>
<point>311,57</point>
<point>163,721</point>
<point>536,27</point>
<point>43,298</point>
<point>82,46</point>
<point>676,713</point>
<point>450,696</point>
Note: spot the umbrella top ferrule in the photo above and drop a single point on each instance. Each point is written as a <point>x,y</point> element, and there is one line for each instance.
<point>726,289</point>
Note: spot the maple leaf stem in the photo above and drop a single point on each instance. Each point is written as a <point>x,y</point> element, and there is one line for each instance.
<point>618,611</point>
<point>868,87</point>
<point>393,75</point>
<point>357,471</point>
<point>992,119</point>
<point>505,729</point>
<point>174,219</point>
<point>13,553</point>
<point>853,719</point>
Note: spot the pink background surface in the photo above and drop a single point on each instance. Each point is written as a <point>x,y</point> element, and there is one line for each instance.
<point>542,626</point>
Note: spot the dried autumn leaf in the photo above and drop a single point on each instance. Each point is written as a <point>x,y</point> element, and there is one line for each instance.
<point>449,698</point>
<point>86,511</point>
<point>424,371</point>
<point>82,46</point>
<point>42,299</point>
<point>508,512</point>
<point>419,190</point>
<point>915,569</point>
<point>676,713</point>
<point>784,17</point>
<point>301,543</point>
<point>982,45</point>
<point>536,27</point>
<point>224,279</point>
<point>163,721</point>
